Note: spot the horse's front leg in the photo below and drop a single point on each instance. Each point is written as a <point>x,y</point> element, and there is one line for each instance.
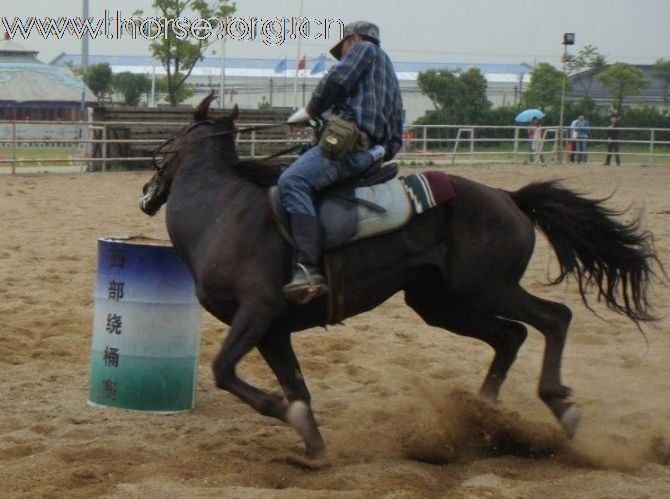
<point>253,326</point>
<point>278,352</point>
<point>250,324</point>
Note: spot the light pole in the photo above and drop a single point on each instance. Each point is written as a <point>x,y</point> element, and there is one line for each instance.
<point>568,39</point>
<point>84,58</point>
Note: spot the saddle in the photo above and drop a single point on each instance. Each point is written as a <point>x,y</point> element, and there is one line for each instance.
<point>367,205</point>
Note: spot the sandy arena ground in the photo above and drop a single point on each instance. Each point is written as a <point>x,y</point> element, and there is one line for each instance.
<point>394,397</point>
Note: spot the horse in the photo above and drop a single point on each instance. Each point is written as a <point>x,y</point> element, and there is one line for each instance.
<point>459,265</point>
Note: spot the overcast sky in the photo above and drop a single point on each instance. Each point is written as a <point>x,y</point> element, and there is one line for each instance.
<point>509,31</point>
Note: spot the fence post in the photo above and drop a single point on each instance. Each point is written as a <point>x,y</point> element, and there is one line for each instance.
<point>253,144</point>
<point>651,147</point>
<point>13,147</point>
<point>472,145</point>
<point>104,147</point>
<point>425,144</point>
<point>515,151</point>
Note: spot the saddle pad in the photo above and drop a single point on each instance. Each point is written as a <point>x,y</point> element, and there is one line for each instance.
<point>392,197</point>
<point>428,189</point>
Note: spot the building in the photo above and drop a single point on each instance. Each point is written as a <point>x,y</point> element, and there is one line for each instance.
<point>654,94</point>
<point>33,90</point>
<point>253,82</point>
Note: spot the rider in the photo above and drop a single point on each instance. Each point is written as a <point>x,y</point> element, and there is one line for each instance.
<point>363,94</point>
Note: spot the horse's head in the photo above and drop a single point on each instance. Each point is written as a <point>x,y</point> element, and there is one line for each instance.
<point>156,191</point>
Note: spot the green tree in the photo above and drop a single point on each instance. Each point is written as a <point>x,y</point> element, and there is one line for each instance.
<point>472,97</point>
<point>98,78</point>
<point>590,60</point>
<point>183,45</point>
<point>662,72</point>
<point>181,94</point>
<point>132,86</point>
<point>622,80</point>
<point>544,89</point>
<point>458,98</point>
<point>440,86</point>
<point>264,103</point>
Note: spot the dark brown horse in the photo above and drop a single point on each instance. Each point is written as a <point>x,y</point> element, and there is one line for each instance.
<point>458,264</point>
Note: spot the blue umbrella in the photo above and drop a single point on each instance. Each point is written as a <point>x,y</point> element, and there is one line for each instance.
<point>528,115</point>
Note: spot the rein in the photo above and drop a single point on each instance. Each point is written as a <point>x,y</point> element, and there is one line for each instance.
<point>216,134</point>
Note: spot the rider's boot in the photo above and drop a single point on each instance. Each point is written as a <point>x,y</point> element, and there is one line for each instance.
<point>307,282</point>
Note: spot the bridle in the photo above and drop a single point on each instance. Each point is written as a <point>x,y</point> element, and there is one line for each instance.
<point>192,126</point>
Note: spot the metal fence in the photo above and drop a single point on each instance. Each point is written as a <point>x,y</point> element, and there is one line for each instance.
<point>50,144</point>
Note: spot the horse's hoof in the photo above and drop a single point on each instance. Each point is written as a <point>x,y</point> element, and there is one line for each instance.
<point>570,420</point>
<point>314,464</point>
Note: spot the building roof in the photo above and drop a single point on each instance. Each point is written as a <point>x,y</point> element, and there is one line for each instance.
<point>265,68</point>
<point>9,48</point>
<point>653,92</point>
<point>24,78</point>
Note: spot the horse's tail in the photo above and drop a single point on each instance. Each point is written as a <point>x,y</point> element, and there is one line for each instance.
<point>590,242</point>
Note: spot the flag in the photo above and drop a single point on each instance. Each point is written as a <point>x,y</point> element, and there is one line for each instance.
<point>319,66</point>
<point>281,67</point>
<point>302,63</point>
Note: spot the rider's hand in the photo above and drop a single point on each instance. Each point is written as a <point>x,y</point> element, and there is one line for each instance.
<point>301,116</point>
<point>377,152</point>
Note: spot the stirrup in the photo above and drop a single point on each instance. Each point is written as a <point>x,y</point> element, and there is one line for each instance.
<point>304,292</point>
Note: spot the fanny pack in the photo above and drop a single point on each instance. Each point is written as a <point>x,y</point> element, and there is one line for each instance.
<point>339,136</point>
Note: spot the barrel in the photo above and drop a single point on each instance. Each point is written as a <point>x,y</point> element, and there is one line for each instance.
<point>146,328</point>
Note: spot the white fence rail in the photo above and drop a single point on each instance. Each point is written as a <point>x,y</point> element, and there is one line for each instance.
<point>67,143</point>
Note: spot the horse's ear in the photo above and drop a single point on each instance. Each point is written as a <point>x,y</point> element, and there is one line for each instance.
<point>202,111</point>
<point>235,113</point>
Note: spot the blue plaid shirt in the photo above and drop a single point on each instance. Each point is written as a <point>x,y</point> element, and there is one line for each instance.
<point>364,84</point>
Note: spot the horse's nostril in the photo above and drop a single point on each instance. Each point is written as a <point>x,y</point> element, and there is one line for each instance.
<point>145,189</point>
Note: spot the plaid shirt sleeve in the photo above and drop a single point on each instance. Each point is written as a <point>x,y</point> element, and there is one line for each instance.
<point>341,79</point>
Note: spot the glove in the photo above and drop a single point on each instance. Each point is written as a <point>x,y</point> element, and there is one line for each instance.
<point>300,116</point>
<point>377,152</point>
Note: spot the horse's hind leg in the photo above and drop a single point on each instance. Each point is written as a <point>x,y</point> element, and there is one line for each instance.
<point>552,320</point>
<point>278,352</point>
<point>505,337</point>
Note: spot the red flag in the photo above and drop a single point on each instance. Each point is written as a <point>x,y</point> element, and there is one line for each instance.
<point>302,63</point>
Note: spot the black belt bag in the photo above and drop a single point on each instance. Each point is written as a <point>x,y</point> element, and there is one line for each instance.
<point>340,136</point>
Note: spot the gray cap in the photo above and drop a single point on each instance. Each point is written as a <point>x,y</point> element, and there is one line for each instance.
<point>363,28</point>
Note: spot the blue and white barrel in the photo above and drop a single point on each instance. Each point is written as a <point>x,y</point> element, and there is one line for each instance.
<point>146,328</point>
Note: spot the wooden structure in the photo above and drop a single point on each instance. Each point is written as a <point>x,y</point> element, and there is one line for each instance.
<point>141,128</point>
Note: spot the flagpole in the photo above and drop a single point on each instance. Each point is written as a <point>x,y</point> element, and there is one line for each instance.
<point>295,79</point>
<point>222,81</point>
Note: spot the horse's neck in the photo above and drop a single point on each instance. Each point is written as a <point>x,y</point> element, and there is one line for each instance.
<point>214,178</point>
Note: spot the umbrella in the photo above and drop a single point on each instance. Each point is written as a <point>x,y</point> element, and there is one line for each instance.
<point>528,115</point>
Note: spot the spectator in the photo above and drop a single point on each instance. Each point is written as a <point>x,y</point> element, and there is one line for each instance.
<point>613,140</point>
<point>534,137</point>
<point>580,134</point>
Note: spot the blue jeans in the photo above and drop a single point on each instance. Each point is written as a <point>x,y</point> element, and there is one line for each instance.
<point>312,172</point>
<point>580,150</point>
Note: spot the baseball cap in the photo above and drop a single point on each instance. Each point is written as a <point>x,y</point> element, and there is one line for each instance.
<point>362,28</point>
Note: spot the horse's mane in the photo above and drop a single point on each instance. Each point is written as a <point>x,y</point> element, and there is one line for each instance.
<point>257,172</point>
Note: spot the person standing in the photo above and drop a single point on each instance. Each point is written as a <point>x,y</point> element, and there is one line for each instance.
<point>534,137</point>
<point>580,135</point>
<point>613,140</point>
